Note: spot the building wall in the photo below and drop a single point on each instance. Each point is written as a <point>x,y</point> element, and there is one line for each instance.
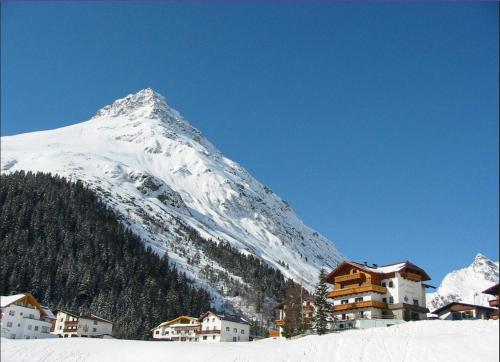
<point>20,322</point>
<point>84,327</point>
<point>234,332</point>
<point>91,327</point>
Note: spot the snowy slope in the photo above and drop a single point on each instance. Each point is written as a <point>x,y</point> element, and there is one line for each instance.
<point>159,173</point>
<point>466,285</point>
<point>429,341</point>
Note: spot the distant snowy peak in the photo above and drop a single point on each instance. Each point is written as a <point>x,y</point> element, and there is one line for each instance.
<point>466,285</point>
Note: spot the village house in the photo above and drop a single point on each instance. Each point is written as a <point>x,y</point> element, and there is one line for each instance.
<point>74,324</point>
<point>181,329</point>
<point>307,316</point>
<point>223,328</point>
<point>459,311</point>
<point>366,296</point>
<point>24,318</point>
<point>494,290</point>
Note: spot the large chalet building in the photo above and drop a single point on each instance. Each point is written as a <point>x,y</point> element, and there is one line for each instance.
<point>210,327</point>
<point>24,318</point>
<point>74,324</point>
<point>368,292</point>
<point>495,303</point>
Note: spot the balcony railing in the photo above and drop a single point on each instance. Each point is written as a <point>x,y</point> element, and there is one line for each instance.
<point>209,331</point>
<point>70,330</point>
<point>280,322</point>
<point>357,290</point>
<point>349,277</point>
<point>70,323</point>
<point>365,304</point>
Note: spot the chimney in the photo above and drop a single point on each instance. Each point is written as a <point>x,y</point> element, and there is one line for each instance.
<point>366,263</point>
<point>375,265</point>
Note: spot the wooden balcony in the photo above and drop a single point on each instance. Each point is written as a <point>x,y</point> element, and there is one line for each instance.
<point>411,276</point>
<point>493,303</point>
<point>70,330</point>
<point>274,333</point>
<point>357,290</point>
<point>70,323</point>
<point>209,331</point>
<point>349,277</point>
<point>280,322</point>
<point>365,304</point>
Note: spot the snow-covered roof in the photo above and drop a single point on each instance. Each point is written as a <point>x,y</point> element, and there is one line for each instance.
<point>389,268</point>
<point>48,312</point>
<point>8,300</point>
<point>227,317</point>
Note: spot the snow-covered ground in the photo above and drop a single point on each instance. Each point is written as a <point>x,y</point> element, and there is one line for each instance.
<point>415,341</point>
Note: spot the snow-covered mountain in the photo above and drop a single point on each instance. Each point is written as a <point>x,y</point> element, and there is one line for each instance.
<point>159,173</point>
<point>466,285</point>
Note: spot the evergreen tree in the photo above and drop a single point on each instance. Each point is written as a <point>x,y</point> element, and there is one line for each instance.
<point>322,307</point>
<point>63,245</point>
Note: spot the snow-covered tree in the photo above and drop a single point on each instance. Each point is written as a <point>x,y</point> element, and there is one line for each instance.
<point>322,315</point>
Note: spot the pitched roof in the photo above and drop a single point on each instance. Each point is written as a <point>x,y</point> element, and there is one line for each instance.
<point>227,317</point>
<point>382,269</point>
<point>5,301</point>
<point>174,320</point>
<point>493,290</point>
<point>452,304</point>
<point>85,316</point>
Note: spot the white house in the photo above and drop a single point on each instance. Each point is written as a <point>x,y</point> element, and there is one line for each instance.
<point>223,328</point>
<point>24,318</point>
<point>73,324</point>
<point>391,293</point>
<point>181,329</point>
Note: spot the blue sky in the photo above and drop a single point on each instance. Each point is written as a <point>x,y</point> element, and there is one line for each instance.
<point>377,122</point>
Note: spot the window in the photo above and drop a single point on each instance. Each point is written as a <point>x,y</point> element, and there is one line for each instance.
<point>9,324</point>
<point>361,314</point>
<point>344,301</point>
<point>391,300</point>
<point>242,331</point>
<point>415,301</point>
<point>95,323</point>
<point>157,332</point>
<point>227,329</point>
<point>213,319</point>
<point>204,338</point>
<point>344,317</point>
<point>235,330</point>
<point>383,284</point>
<point>30,327</point>
<point>234,339</point>
<point>94,329</point>
<point>62,319</point>
<point>357,300</point>
<point>384,300</point>
<point>60,327</point>
<point>391,284</point>
<point>36,328</point>
<point>11,312</point>
<point>213,337</point>
<point>32,316</point>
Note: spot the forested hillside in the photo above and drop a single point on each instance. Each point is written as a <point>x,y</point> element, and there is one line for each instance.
<point>63,245</point>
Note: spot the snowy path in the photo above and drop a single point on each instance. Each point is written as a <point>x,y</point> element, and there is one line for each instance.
<point>425,341</point>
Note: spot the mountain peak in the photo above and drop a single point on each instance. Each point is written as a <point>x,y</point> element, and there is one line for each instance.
<point>146,101</point>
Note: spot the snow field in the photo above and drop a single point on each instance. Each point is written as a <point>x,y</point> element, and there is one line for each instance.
<point>424,341</point>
